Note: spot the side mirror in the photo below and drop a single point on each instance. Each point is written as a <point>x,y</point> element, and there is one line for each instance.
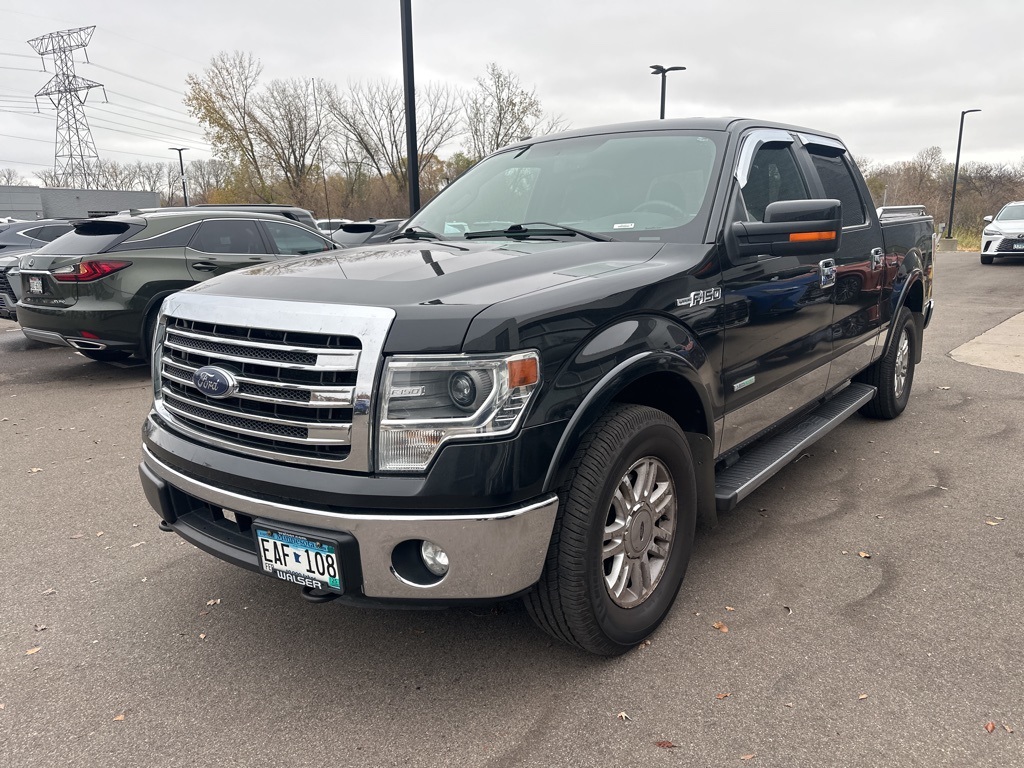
<point>792,228</point>
<point>987,219</point>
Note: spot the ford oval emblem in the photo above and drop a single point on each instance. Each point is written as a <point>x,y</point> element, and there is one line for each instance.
<point>214,382</point>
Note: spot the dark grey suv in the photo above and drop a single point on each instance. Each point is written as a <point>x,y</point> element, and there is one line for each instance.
<point>99,287</point>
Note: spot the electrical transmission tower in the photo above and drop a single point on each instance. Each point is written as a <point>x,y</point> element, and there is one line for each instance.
<point>74,152</point>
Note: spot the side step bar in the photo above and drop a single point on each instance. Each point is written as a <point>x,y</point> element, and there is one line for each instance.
<point>735,483</point>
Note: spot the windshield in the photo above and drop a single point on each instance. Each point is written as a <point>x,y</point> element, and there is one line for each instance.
<point>633,186</point>
<point>1011,213</point>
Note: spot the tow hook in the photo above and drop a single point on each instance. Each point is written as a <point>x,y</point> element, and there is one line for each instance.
<point>164,526</point>
<point>319,595</point>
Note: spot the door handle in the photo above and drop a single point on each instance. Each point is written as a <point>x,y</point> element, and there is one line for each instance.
<point>203,266</point>
<point>877,258</point>
<point>827,272</point>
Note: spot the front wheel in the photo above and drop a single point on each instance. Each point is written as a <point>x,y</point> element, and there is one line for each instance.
<point>623,534</point>
<point>893,373</point>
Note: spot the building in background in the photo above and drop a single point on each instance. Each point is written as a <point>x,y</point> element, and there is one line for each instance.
<point>29,203</point>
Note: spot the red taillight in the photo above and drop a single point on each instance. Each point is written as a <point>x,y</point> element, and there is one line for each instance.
<point>87,271</point>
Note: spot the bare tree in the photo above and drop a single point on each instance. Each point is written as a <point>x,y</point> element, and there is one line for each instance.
<point>274,132</point>
<point>372,118</point>
<point>9,177</point>
<point>204,176</point>
<point>500,111</point>
<point>48,178</point>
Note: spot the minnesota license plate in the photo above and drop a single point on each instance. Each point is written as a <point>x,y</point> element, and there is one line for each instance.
<point>1019,246</point>
<point>35,284</point>
<point>299,559</point>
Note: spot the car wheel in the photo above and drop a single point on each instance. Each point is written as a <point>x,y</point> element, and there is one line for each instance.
<point>987,258</point>
<point>106,355</point>
<point>893,373</point>
<point>623,533</point>
<point>148,330</point>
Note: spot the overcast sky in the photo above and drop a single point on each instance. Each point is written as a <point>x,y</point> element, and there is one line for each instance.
<point>889,76</point>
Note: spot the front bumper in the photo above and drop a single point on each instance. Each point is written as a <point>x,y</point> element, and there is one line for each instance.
<point>491,554</point>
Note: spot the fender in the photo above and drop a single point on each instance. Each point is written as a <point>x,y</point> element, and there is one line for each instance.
<point>647,345</point>
<point>913,268</point>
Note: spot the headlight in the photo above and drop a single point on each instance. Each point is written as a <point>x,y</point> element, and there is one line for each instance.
<point>427,401</point>
<point>991,232</point>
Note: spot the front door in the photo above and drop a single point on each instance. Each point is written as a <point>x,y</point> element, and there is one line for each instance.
<point>776,361</point>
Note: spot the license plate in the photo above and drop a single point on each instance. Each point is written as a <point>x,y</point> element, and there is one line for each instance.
<point>298,558</point>
<point>1018,246</point>
<point>35,284</point>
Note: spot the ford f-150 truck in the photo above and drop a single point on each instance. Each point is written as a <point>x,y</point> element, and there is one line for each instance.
<point>583,346</point>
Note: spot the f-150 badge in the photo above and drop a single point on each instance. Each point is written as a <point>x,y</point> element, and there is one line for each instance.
<point>697,298</point>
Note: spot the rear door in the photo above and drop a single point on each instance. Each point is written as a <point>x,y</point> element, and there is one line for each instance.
<point>860,261</point>
<point>222,245</point>
<point>776,361</point>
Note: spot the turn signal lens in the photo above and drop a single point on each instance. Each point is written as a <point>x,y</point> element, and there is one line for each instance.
<point>806,237</point>
<point>523,372</point>
<point>87,271</point>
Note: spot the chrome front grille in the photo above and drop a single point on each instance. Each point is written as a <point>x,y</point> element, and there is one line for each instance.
<point>302,396</point>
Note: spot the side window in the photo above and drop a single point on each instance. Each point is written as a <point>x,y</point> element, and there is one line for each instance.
<point>290,240</point>
<point>32,233</point>
<point>838,181</point>
<point>228,236</point>
<point>773,176</point>
<point>52,232</point>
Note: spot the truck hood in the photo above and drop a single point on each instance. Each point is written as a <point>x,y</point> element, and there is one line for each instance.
<point>470,274</point>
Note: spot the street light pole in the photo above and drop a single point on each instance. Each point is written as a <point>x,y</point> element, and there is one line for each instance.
<point>956,172</point>
<point>181,165</point>
<point>657,69</point>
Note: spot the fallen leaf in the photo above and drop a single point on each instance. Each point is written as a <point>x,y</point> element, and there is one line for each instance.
<point>138,544</point>
<point>213,602</point>
<point>788,704</point>
<point>39,627</point>
<point>99,533</point>
<point>943,387</point>
<point>623,716</point>
<point>1006,728</point>
<point>1000,518</point>
<point>31,651</point>
<point>78,536</point>
<point>202,635</point>
<point>118,718</point>
<point>729,608</point>
<point>204,613</point>
<point>34,470</point>
<point>721,696</point>
<point>720,626</point>
<point>2,706</point>
<point>665,744</point>
<point>991,522</point>
<point>50,591</point>
<point>865,555</point>
<point>747,757</point>
<point>990,726</point>
<point>788,610</point>
<point>862,697</point>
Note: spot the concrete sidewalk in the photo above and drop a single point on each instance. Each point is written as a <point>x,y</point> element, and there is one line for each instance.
<point>1001,347</point>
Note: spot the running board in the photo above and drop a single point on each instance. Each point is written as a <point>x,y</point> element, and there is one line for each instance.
<point>735,483</point>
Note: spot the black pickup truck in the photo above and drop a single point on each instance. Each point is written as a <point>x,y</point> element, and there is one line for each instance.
<point>585,344</point>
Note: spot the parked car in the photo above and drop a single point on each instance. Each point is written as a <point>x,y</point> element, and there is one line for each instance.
<point>7,298</point>
<point>366,232</point>
<point>28,235</point>
<point>292,212</point>
<point>330,225</point>
<point>98,288</point>
<point>1003,234</point>
<point>555,370</point>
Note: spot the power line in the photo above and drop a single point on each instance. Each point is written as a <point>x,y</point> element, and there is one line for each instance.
<point>152,104</point>
<point>133,77</point>
<point>102,149</point>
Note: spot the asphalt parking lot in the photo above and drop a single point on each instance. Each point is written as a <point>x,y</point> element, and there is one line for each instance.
<point>871,592</point>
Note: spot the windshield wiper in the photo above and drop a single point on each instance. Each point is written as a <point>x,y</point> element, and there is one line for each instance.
<point>533,229</point>
<point>416,232</point>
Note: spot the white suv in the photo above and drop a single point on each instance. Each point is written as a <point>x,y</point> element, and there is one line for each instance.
<point>1003,235</point>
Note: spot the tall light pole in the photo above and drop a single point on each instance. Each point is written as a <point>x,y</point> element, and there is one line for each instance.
<point>956,172</point>
<point>181,164</point>
<point>657,69</point>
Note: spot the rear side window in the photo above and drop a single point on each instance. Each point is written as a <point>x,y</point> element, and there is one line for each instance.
<point>89,237</point>
<point>228,236</point>
<point>294,241</point>
<point>838,181</point>
<point>52,232</point>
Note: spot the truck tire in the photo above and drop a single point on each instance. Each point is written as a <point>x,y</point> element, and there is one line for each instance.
<point>893,373</point>
<point>623,533</point>
<point>987,258</point>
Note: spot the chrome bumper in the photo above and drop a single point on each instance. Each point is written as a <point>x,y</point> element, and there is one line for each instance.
<point>491,555</point>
